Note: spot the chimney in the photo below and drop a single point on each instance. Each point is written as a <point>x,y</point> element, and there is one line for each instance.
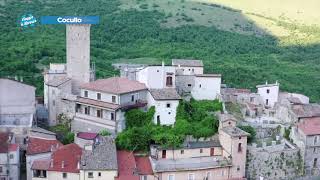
<point>21,79</point>
<point>16,78</point>
<point>162,63</point>
<point>276,82</point>
<point>51,163</point>
<point>78,165</point>
<point>62,164</point>
<point>266,82</point>
<point>52,148</point>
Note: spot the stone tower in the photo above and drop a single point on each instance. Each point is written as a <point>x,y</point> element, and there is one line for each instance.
<point>78,55</point>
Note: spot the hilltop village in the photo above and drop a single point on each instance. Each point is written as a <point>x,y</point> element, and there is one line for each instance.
<point>261,134</point>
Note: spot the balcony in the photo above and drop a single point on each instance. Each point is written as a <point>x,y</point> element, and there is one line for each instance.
<point>107,122</point>
<point>137,104</point>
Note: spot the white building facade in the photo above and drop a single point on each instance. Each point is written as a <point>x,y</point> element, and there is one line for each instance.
<point>269,93</point>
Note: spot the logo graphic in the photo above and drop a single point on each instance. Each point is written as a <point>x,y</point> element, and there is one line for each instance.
<point>27,20</point>
<point>70,20</point>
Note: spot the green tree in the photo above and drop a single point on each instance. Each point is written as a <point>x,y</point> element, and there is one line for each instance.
<point>251,130</point>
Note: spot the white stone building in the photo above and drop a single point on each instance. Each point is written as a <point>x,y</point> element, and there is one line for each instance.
<point>206,87</point>
<point>17,105</point>
<point>102,104</point>
<point>157,77</point>
<point>165,102</point>
<point>9,158</point>
<point>269,93</point>
<point>187,67</point>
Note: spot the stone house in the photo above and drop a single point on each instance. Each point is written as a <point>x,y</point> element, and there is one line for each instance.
<point>269,94</point>
<point>17,106</point>
<point>306,135</point>
<point>62,164</point>
<point>187,66</point>
<point>165,102</point>
<point>206,87</point>
<point>102,103</point>
<point>220,157</point>
<point>39,148</point>
<point>9,158</point>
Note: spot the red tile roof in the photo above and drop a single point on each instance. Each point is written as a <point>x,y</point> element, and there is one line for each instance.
<point>310,126</point>
<point>115,85</point>
<point>87,135</point>
<point>66,158</point>
<point>13,147</point>
<point>143,165</point>
<point>42,164</point>
<point>126,166</point>
<point>37,145</point>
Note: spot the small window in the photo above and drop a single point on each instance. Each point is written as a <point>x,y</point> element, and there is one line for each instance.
<point>238,168</point>
<point>113,99</point>
<point>85,93</point>
<point>1,170</point>
<point>192,70</point>
<point>132,98</point>
<point>169,112</point>
<point>182,151</point>
<point>168,105</point>
<point>158,70</point>
<point>170,177</point>
<point>99,174</point>
<point>78,108</point>
<point>64,175</point>
<point>240,137</point>
<point>99,113</point>
<point>189,69</point>
<point>144,177</point>
<point>189,85</point>
<point>201,150</point>
<point>314,150</point>
<point>191,177</point>
<point>53,103</point>
<point>315,162</point>
<point>158,120</point>
<point>251,99</point>
<point>199,85</point>
<point>11,156</point>
<point>267,102</point>
<point>239,147</point>
<point>229,123</point>
<point>90,174</point>
<point>98,96</point>
<point>112,116</point>
<point>315,140</point>
<point>87,110</point>
<point>268,91</point>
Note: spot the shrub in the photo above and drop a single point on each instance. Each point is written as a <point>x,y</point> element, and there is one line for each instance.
<point>250,130</point>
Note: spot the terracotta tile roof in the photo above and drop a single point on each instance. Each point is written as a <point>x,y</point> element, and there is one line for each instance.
<point>98,103</point>
<point>87,135</point>
<point>143,165</point>
<point>66,158</point>
<point>187,62</point>
<point>126,166</point>
<point>165,94</point>
<point>115,85</point>
<point>13,147</point>
<point>310,126</point>
<point>37,145</point>
<point>306,110</point>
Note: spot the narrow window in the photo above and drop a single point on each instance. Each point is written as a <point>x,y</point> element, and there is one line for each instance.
<point>315,162</point>
<point>164,154</point>
<point>99,113</point>
<point>239,147</point>
<point>113,99</point>
<point>251,99</point>
<point>132,98</point>
<point>267,102</point>
<point>238,168</point>
<point>85,93</point>
<point>78,108</point>
<point>98,96</point>
<point>168,105</point>
<point>99,174</point>
<point>268,91</point>
<point>158,120</point>
<point>87,110</point>
<point>112,116</point>
<point>1,170</point>
<point>182,152</point>
<point>192,70</point>
<point>315,140</point>
<point>169,81</point>
<point>201,150</point>
<point>53,102</point>
<point>199,85</point>
<point>11,156</point>
<point>170,177</point>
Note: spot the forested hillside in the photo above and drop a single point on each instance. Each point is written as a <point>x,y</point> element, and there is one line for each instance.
<point>246,54</point>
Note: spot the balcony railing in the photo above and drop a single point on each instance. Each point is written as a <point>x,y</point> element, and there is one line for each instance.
<point>95,119</point>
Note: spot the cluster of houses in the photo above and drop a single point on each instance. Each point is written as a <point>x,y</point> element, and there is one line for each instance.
<point>73,95</point>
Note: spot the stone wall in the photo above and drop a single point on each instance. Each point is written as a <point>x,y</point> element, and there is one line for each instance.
<point>278,161</point>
